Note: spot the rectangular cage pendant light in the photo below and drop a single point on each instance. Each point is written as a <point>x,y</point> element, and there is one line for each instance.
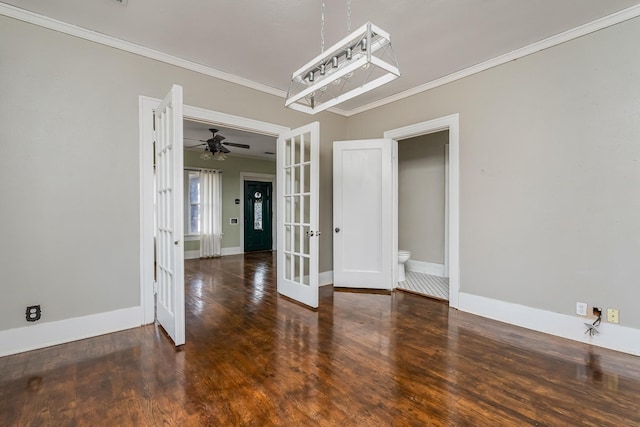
<point>360,62</point>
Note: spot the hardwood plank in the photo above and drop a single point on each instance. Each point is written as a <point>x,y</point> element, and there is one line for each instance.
<point>363,359</point>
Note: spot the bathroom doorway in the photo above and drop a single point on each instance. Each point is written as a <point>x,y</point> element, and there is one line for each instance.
<point>451,257</point>
<point>422,213</point>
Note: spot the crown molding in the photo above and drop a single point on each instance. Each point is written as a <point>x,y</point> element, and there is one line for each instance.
<point>588,28</point>
<point>83,33</point>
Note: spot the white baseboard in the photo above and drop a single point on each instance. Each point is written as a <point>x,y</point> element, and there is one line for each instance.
<point>325,278</point>
<point>224,251</point>
<point>231,251</point>
<point>425,268</point>
<point>41,335</point>
<point>612,336</point>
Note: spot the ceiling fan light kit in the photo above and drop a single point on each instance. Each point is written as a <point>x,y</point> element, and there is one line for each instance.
<point>360,62</point>
<point>215,149</point>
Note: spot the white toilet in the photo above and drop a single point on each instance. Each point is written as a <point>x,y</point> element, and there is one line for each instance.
<point>403,257</point>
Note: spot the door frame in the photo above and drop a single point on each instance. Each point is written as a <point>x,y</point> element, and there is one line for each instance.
<point>146,107</point>
<point>452,201</point>
<point>261,177</point>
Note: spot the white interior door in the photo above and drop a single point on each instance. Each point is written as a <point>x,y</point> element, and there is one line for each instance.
<point>363,210</point>
<point>169,216</point>
<point>298,214</point>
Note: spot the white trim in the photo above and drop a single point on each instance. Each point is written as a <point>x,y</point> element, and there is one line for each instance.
<point>445,271</point>
<point>611,336</point>
<point>83,33</point>
<point>235,250</point>
<point>46,334</point>
<point>230,120</point>
<point>261,177</point>
<point>191,237</point>
<point>451,123</point>
<point>325,278</point>
<point>192,254</point>
<point>426,268</point>
<point>73,30</point>
<point>146,108</point>
<point>147,215</point>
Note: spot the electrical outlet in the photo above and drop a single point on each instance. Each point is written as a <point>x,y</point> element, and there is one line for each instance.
<point>581,308</point>
<point>33,313</point>
<point>613,315</point>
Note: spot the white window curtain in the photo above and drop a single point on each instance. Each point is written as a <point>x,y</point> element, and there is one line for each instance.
<point>210,213</point>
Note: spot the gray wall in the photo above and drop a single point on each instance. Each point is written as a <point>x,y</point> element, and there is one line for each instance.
<point>421,207</point>
<point>549,172</point>
<point>69,159</point>
<point>231,169</point>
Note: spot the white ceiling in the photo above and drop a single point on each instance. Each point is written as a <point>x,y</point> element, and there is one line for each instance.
<point>264,41</point>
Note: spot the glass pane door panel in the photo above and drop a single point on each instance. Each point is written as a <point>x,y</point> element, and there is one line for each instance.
<point>296,179</point>
<point>288,264</point>
<point>296,269</point>
<point>296,209</point>
<point>306,208</point>
<point>288,238</point>
<point>287,181</point>
<point>297,237</point>
<point>287,153</point>
<point>296,157</point>
<point>287,210</point>
<point>306,150</point>
<point>306,173</point>
<point>305,242</point>
<point>305,270</point>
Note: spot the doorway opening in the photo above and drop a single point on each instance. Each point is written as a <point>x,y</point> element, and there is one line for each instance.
<point>194,114</point>
<point>251,156</point>
<point>422,199</point>
<point>451,256</point>
<point>258,214</point>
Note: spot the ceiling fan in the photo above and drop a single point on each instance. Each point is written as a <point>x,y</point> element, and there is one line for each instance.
<point>215,148</point>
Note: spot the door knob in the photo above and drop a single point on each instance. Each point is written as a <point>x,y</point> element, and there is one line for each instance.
<point>337,229</point>
<point>176,242</point>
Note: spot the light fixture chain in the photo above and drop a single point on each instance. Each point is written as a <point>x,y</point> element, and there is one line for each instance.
<point>348,16</point>
<point>322,29</point>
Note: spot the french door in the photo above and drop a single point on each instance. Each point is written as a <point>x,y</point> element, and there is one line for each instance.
<point>298,214</point>
<point>169,215</point>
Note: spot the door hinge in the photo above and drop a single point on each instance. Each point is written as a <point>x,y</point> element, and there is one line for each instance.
<point>155,287</point>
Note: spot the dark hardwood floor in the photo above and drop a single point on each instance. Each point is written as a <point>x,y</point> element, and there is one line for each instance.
<point>253,358</point>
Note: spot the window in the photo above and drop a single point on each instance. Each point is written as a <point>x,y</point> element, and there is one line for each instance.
<point>192,196</point>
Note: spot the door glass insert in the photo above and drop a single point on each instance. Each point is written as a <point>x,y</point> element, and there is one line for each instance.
<point>257,211</point>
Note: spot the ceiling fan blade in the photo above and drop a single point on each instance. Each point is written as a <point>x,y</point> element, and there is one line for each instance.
<point>192,146</point>
<point>237,145</point>
<point>223,149</point>
<point>218,138</point>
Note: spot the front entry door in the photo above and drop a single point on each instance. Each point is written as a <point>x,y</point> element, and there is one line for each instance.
<point>363,214</point>
<point>257,216</point>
